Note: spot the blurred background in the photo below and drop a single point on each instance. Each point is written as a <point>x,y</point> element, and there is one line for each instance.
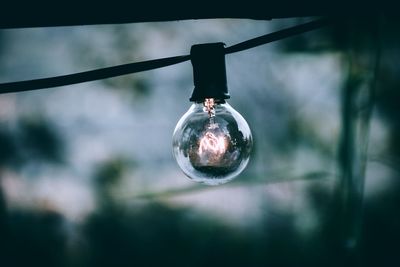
<point>87,176</point>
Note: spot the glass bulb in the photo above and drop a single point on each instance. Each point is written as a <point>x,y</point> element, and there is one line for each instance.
<point>212,142</point>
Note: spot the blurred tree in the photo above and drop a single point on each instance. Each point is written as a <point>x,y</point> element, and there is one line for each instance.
<point>39,140</point>
<point>34,239</point>
<point>369,241</point>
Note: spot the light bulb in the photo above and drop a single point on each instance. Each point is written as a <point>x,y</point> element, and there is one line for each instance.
<point>212,141</point>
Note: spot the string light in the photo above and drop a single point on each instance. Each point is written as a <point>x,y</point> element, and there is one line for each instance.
<point>212,142</point>
<point>104,73</point>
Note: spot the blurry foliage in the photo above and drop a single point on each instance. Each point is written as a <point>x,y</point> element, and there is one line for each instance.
<point>8,150</point>
<point>139,87</point>
<point>109,173</point>
<point>157,235</point>
<point>154,235</point>
<point>124,48</point>
<point>28,237</point>
<point>342,34</point>
<point>381,229</point>
<point>32,139</point>
<point>388,97</point>
<point>33,239</point>
<point>41,140</point>
<point>301,133</point>
<point>106,176</point>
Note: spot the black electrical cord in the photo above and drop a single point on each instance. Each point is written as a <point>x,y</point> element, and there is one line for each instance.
<point>119,70</point>
<point>91,75</point>
<point>278,35</point>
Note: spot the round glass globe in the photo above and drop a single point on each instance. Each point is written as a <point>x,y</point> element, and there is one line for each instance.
<point>212,143</point>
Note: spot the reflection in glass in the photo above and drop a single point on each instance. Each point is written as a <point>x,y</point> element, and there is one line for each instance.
<point>212,142</point>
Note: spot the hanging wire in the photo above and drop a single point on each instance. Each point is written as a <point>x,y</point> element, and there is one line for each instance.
<point>130,68</point>
<point>278,35</point>
<point>91,75</point>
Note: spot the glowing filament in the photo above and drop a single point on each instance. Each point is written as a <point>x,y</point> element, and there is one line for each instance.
<point>210,143</point>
